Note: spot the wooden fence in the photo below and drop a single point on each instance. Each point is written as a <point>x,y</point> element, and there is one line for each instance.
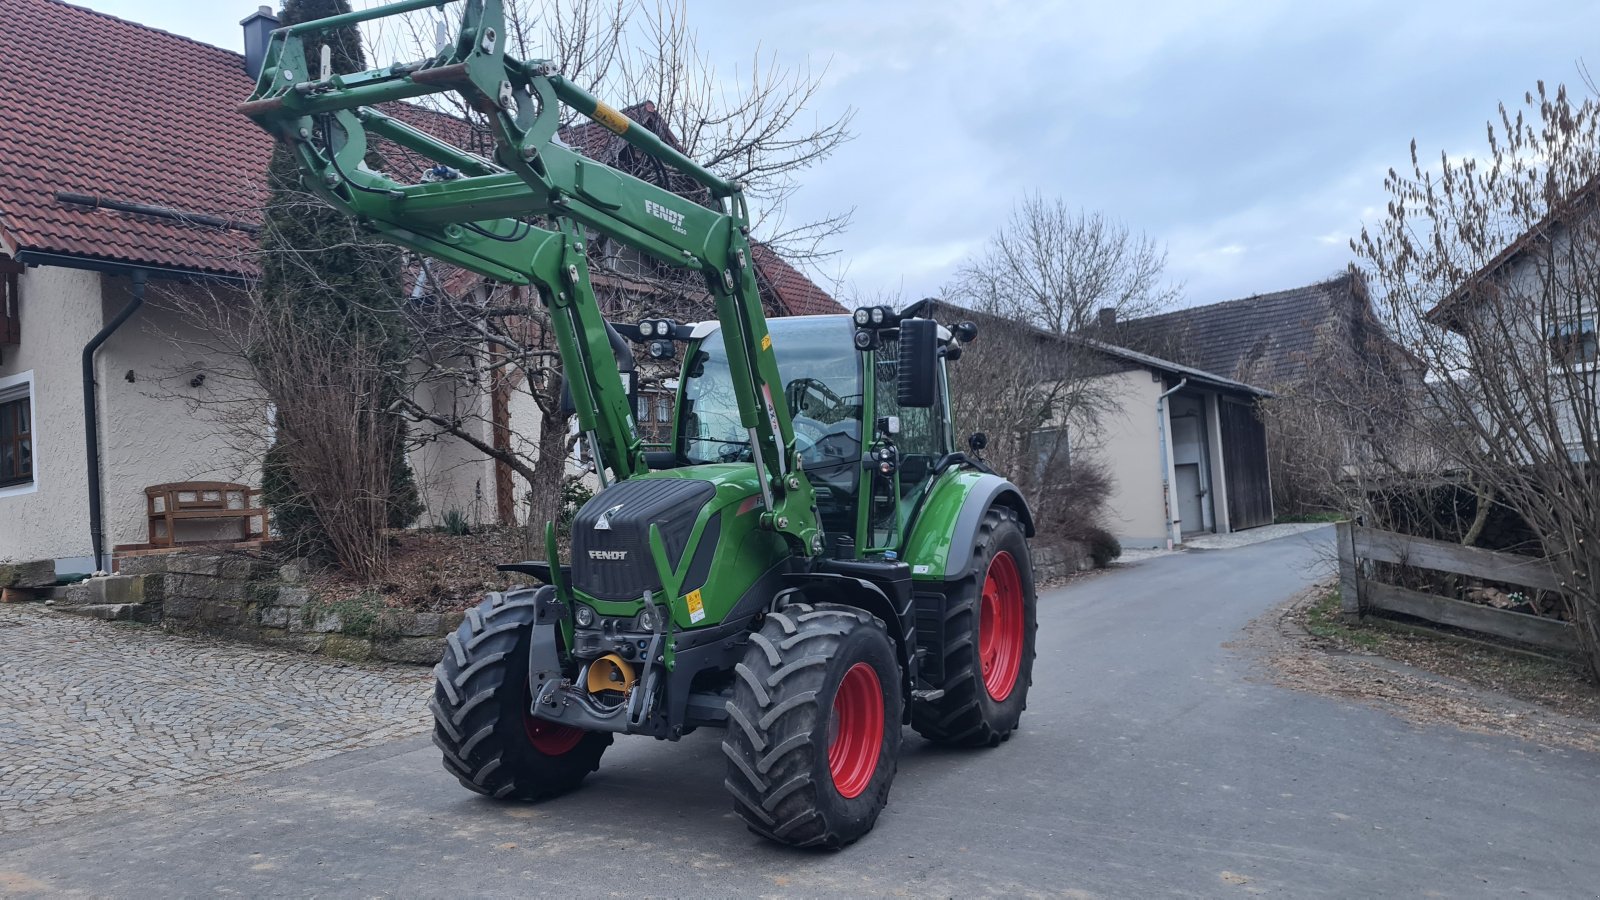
<point>1360,593</point>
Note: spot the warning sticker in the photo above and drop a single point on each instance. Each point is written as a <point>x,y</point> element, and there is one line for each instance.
<point>766,342</point>
<point>610,118</point>
<point>697,609</point>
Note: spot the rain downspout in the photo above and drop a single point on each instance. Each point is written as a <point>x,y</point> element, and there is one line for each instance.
<point>91,426</point>
<point>1161,434</point>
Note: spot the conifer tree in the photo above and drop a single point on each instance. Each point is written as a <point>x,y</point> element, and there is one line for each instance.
<point>324,282</point>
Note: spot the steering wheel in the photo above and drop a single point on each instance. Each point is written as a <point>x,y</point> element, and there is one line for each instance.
<point>796,390</point>
<point>807,432</point>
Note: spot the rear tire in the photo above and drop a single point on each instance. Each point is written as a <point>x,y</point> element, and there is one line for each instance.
<point>813,735</point>
<point>491,743</point>
<point>988,642</point>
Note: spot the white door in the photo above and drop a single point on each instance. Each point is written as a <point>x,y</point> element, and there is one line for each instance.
<point>1190,498</point>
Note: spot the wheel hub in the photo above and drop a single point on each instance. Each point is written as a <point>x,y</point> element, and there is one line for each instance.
<point>1000,626</point>
<point>855,730</point>
<point>550,738</point>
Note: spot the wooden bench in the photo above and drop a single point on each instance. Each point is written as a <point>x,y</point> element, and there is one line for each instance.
<point>168,504</point>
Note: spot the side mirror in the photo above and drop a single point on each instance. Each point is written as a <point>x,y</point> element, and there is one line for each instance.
<point>978,441</point>
<point>918,379</point>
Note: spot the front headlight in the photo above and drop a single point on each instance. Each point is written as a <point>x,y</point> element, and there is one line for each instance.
<point>585,616</point>
<point>647,620</point>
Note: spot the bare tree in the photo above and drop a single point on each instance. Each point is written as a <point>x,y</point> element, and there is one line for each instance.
<point>313,388</point>
<point>1041,401</point>
<point>1034,381</point>
<point>756,124</point>
<point>1487,268</point>
<point>1055,268</point>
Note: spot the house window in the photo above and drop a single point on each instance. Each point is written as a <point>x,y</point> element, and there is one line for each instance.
<point>655,417</point>
<point>16,436</point>
<point>1047,449</point>
<point>1572,340</point>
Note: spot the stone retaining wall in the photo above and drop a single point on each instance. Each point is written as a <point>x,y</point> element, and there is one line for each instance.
<point>239,597</point>
<point>1055,562</point>
<point>247,599</point>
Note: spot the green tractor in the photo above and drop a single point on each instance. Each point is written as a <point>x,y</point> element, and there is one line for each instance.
<point>810,565</point>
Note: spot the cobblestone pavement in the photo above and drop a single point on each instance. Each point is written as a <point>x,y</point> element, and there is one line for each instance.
<point>94,714</point>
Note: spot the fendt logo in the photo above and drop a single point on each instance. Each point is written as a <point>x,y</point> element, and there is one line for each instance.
<point>608,554</point>
<point>671,217</point>
<point>604,522</point>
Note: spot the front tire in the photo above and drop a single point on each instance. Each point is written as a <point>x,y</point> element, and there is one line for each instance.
<point>813,735</point>
<point>481,698</point>
<point>989,629</point>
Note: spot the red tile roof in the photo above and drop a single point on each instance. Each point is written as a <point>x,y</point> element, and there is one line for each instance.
<point>799,295</point>
<point>97,105</point>
<point>93,104</point>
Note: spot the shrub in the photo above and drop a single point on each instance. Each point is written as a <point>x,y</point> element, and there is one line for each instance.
<point>1103,547</point>
<point>455,523</point>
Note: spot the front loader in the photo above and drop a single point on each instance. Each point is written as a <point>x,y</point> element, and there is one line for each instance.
<point>810,565</point>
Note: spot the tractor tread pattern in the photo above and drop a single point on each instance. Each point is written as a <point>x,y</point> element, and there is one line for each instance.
<point>771,777</point>
<point>957,717</point>
<point>483,660</point>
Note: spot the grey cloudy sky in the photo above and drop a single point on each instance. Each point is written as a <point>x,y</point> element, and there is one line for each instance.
<point>1250,137</point>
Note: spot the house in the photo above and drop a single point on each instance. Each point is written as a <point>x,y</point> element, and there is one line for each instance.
<point>1187,450</point>
<point>1526,342</point>
<point>1312,345</point>
<point>1183,447</point>
<point>128,183</point>
<point>1271,339</point>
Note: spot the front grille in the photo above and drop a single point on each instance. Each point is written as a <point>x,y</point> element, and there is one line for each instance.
<point>614,563</point>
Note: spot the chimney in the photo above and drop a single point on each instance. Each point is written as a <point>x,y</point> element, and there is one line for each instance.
<point>258,27</point>
<point>1107,317</point>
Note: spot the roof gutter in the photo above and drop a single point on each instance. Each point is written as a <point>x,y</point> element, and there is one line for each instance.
<point>1161,438</point>
<point>94,264</point>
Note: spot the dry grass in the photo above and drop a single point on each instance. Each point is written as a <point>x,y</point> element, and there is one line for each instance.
<point>1425,679</point>
<point>1557,684</point>
<point>435,572</point>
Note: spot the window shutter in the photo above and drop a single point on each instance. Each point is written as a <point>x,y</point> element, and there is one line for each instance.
<point>10,302</point>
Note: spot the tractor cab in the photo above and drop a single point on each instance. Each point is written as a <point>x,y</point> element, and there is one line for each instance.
<point>869,457</point>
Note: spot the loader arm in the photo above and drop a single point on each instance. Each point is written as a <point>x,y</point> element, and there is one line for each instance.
<point>475,213</point>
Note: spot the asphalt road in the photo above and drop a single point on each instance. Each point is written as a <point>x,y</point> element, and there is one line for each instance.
<point>1150,763</point>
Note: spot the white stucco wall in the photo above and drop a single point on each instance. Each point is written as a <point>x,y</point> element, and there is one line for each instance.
<point>450,474</point>
<point>1130,448</point>
<point>60,312</point>
<point>153,429</point>
<point>159,427</point>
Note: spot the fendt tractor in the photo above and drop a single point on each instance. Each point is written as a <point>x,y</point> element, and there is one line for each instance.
<point>810,565</point>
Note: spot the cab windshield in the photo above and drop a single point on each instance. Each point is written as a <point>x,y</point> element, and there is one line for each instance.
<point>821,374</point>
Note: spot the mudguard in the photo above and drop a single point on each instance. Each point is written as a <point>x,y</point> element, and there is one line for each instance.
<point>948,524</point>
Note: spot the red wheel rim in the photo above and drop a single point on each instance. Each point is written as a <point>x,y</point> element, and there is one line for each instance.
<point>550,738</point>
<point>857,726</point>
<point>1000,627</point>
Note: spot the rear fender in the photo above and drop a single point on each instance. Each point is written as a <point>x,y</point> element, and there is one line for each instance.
<point>940,548</point>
